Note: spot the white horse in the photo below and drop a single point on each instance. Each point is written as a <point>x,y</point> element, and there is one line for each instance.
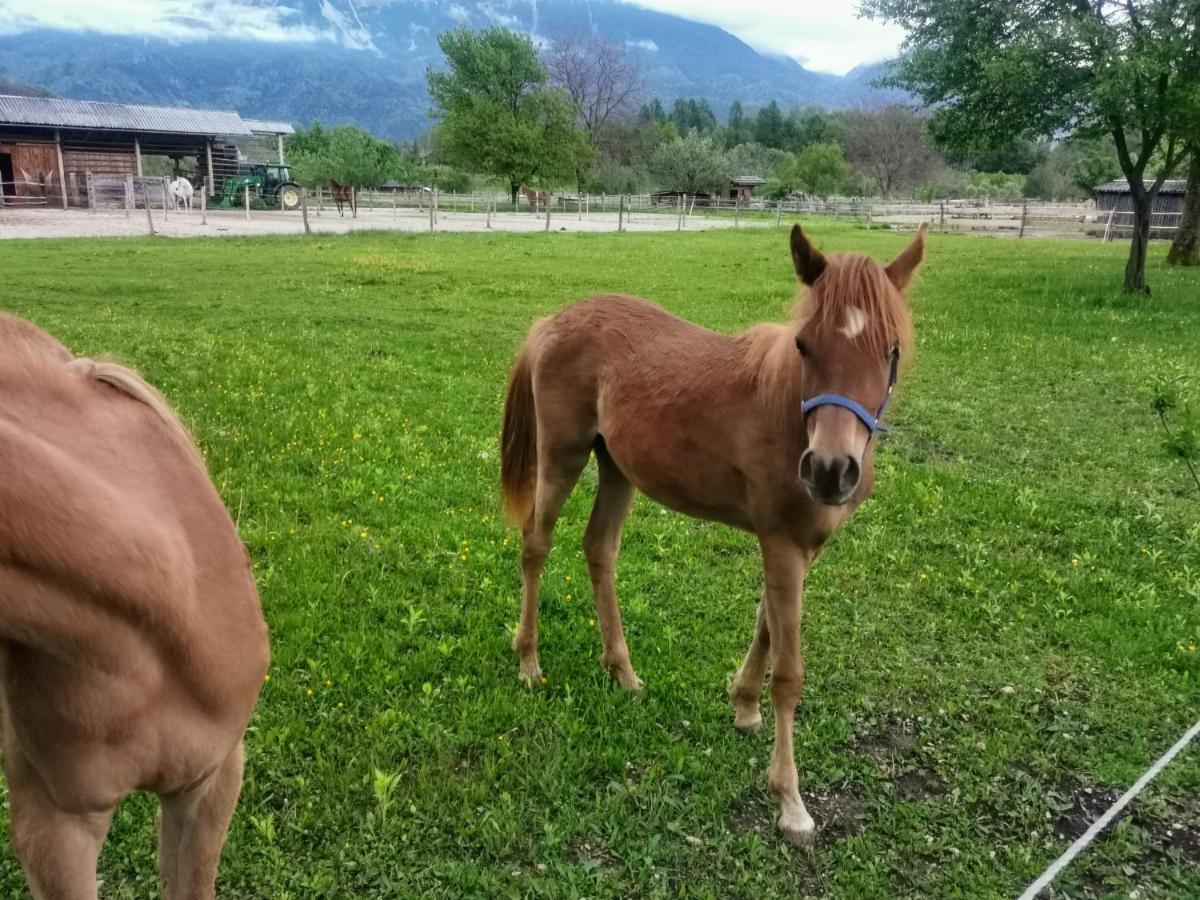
<point>181,189</point>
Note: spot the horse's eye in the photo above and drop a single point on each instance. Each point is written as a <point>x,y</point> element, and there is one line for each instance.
<point>801,346</point>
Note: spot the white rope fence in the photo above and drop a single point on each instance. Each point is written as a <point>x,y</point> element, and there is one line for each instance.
<point>1113,811</point>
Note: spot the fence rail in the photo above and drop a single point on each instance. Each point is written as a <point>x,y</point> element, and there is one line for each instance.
<point>425,209</point>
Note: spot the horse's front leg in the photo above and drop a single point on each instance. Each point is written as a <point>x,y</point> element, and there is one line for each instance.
<point>784,567</point>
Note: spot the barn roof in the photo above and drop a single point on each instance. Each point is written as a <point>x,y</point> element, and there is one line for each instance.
<point>751,180</point>
<point>268,126</point>
<point>99,116</point>
<point>1121,186</point>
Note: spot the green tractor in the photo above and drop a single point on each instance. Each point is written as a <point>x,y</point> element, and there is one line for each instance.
<point>272,183</point>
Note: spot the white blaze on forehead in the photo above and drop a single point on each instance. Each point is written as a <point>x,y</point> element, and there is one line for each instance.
<point>856,321</point>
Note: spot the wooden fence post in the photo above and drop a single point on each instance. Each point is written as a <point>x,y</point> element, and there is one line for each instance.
<point>679,213</point>
<point>942,216</point>
<point>146,198</point>
<point>621,215</point>
<point>130,203</point>
<point>547,213</point>
<point>431,211</point>
<point>204,204</point>
<point>304,210</point>
<point>488,226</point>
<point>778,213</point>
<point>247,192</point>
<point>1024,215</point>
<point>737,213</point>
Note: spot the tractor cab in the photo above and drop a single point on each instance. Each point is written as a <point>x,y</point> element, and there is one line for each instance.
<point>271,176</point>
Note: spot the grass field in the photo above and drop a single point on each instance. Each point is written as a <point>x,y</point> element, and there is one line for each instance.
<point>1001,638</point>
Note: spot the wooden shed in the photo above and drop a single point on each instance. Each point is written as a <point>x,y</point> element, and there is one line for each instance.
<point>1115,198</point>
<point>50,148</point>
<point>741,187</point>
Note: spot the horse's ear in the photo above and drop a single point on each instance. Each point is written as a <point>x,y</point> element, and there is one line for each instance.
<point>808,259</point>
<point>901,269</point>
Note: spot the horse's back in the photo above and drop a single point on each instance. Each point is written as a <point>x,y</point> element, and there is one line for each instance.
<point>117,557</point>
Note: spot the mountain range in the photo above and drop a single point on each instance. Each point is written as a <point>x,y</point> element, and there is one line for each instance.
<point>364,62</point>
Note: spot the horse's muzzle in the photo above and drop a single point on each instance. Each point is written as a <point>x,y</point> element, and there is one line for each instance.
<point>830,478</point>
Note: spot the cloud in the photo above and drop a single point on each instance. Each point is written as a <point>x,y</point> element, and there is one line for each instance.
<point>174,20</point>
<point>824,35</point>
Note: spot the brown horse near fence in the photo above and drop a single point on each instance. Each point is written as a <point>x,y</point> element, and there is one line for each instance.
<point>343,195</point>
<point>769,431</point>
<point>132,643</point>
<point>537,199</point>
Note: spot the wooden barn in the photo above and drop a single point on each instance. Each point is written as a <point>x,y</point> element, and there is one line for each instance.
<point>50,149</point>
<point>1115,197</point>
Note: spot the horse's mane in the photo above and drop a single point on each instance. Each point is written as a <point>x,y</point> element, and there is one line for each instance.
<point>851,280</point>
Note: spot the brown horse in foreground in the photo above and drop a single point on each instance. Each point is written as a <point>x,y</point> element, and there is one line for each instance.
<point>710,426</point>
<point>132,644</point>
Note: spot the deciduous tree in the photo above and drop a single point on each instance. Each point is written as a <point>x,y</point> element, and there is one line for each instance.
<point>889,147</point>
<point>692,164</point>
<point>997,68</point>
<point>497,113</point>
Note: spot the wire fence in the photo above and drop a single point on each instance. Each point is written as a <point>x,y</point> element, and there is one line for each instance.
<point>290,209</point>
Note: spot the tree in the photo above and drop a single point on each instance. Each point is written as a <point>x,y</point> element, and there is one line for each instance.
<point>693,115</point>
<point>819,169</point>
<point>692,164</point>
<point>755,159</point>
<point>770,127</point>
<point>1185,249</point>
<point>603,81</point>
<point>889,147</point>
<point>814,125</point>
<point>345,154</point>
<point>997,68</point>
<point>739,127</point>
<point>498,115</point>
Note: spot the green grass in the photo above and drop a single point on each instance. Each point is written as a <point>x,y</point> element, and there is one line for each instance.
<point>1004,625</point>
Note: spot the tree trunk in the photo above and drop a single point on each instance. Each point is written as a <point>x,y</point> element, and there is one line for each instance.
<point>1185,249</point>
<point>1135,269</point>
<point>514,187</point>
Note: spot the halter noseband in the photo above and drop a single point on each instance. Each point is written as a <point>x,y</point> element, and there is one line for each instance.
<point>874,423</point>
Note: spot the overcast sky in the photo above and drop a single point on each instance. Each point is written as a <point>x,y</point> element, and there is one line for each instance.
<point>826,35</point>
<point>823,34</point>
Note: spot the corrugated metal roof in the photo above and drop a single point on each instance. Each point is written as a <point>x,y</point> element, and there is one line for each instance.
<point>268,126</point>
<point>93,114</point>
<point>1121,186</point>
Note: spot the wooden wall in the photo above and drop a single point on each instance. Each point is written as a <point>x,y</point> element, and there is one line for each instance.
<point>100,162</point>
<point>35,168</point>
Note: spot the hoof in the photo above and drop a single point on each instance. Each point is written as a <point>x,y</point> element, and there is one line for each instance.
<point>751,723</point>
<point>799,838</point>
<point>631,683</point>
<point>531,672</point>
<point>799,830</point>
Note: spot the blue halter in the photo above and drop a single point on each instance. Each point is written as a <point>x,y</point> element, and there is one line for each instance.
<point>874,423</point>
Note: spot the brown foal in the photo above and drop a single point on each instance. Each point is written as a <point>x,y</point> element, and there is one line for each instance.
<point>132,643</point>
<point>710,426</point>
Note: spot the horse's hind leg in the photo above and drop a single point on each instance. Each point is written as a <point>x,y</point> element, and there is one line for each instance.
<point>58,849</point>
<point>601,544</point>
<point>556,476</point>
<point>192,832</point>
<point>747,684</point>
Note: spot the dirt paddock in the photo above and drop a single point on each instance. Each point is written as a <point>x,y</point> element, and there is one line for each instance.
<point>60,223</point>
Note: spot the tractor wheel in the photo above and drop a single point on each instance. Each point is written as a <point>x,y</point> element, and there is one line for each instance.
<point>288,196</point>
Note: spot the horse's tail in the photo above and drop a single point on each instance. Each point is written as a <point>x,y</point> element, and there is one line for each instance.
<point>518,442</point>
